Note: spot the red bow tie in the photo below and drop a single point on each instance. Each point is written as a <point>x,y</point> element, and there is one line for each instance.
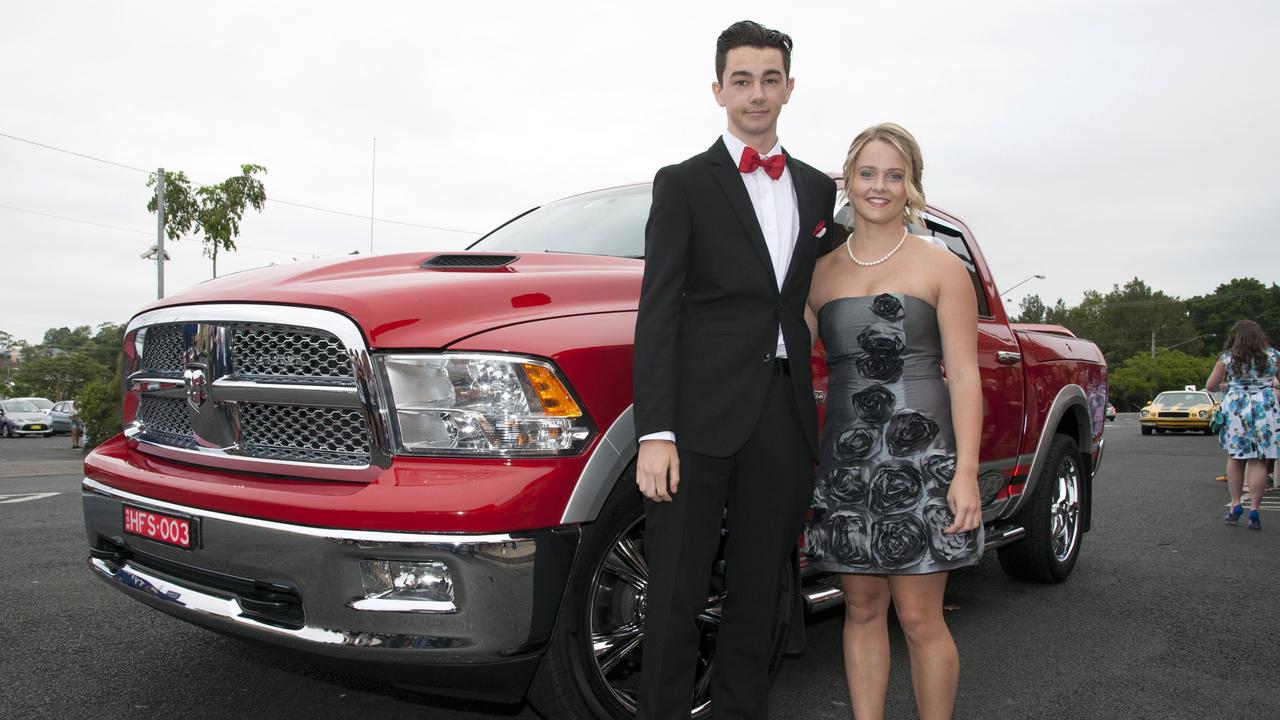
<point>773,165</point>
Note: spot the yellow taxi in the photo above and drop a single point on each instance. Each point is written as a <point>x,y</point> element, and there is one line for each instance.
<point>1178,410</point>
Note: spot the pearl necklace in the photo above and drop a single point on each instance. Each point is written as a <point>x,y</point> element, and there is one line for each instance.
<point>896,248</point>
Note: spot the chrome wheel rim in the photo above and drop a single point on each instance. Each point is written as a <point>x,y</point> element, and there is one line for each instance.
<point>1064,510</point>
<point>616,611</point>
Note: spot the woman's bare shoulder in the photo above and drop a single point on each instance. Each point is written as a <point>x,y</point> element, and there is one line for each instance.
<point>936,257</point>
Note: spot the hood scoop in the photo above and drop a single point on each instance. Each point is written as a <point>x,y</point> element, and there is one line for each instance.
<point>467,261</point>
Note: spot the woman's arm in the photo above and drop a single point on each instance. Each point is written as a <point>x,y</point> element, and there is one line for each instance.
<point>1214,383</point>
<point>958,323</point>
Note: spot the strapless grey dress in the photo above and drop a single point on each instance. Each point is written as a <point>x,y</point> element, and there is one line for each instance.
<point>888,449</point>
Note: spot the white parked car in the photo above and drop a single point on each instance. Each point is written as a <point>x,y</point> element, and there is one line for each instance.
<point>44,405</point>
<point>21,417</point>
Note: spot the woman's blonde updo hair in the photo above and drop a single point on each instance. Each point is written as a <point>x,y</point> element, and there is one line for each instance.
<point>906,145</point>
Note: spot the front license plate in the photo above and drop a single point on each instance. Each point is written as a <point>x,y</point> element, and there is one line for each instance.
<point>37,427</point>
<point>172,530</point>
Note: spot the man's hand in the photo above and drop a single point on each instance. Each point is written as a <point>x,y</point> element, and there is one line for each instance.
<point>658,470</point>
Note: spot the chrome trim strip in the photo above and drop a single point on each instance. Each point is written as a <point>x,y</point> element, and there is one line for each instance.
<point>358,536</point>
<point>615,451</point>
<point>1068,397</point>
<point>137,579</point>
<point>326,320</point>
<point>160,387</point>
<point>366,394</point>
<point>999,536</point>
<point>215,458</point>
<point>404,606</point>
<point>820,597</point>
<point>233,390</point>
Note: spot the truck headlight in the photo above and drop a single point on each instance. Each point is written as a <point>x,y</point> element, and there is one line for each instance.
<point>471,404</point>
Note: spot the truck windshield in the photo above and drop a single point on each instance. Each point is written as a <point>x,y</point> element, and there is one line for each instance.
<point>608,222</point>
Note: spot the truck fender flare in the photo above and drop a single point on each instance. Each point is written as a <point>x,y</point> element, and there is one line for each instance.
<point>616,450</point>
<point>1068,398</point>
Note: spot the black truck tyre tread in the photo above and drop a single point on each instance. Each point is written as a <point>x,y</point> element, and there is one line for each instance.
<point>1032,557</point>
<point>562,686</point>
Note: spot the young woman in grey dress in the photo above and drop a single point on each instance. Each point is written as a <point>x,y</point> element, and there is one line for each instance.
<point>896,502</point>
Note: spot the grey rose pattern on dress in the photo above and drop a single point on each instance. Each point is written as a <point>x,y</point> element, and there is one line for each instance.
<point>888,448</point>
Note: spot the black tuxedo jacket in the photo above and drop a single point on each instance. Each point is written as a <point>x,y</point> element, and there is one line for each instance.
<point>707,327</point>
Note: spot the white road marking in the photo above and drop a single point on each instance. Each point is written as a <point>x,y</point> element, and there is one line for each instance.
<point>1270,500</point>
<point>24,497</point>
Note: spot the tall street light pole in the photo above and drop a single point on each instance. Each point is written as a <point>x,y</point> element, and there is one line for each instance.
<point>160,234</point>
<point>1024,281</point>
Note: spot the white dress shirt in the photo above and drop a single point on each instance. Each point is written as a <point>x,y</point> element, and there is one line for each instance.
<point>774,202</point>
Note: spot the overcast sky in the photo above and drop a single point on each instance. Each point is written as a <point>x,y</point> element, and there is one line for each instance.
<point>1086,141</point>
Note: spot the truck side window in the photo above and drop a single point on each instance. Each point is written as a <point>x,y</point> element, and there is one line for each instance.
<point>955,243</point>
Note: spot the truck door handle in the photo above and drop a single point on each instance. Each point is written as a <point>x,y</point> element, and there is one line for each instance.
<point>1004,357</point>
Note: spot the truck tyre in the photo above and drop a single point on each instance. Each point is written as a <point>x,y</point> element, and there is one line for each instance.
<point>1052,519</point>
<point>1146,430</point>
<point>592,666</point>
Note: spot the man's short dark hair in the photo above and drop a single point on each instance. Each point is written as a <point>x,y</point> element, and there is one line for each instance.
<point>747,33</point>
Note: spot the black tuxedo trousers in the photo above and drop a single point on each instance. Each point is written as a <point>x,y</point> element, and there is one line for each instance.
<point>706,337</point>
<point>762,492</point>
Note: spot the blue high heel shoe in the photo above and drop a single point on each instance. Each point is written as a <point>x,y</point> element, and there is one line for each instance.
<point>1233,515</point>
<point>1255,522</point>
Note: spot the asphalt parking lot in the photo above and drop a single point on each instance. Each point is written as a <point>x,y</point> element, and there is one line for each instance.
<point>1169,614</point>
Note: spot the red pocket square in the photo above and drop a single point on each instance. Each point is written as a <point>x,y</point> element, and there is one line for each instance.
<point>820,229</point>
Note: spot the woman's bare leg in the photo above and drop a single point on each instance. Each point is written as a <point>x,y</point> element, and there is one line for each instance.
<point>1235,480</point>
<point>866,643</point>
<point>1255,473</point>
<point>935,663</point>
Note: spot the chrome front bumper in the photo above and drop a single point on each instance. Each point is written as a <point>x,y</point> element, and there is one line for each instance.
<point>299,588</point>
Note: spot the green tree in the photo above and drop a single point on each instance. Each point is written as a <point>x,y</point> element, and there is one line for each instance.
<point>1125,320</point>
<point>1031,310</point>
<point>1141,377</point>
<point>108,339</point>
<point>99,406</point>
<point>1213,314</point>
<point>60,340</point>
<point>57,377</point>
<point>214,211</point>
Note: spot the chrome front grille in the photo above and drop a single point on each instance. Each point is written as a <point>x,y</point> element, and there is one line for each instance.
<point>274,389</point>
<point>162,352</point>
<point>289,354</point>
<point>166,420</point>
<point>305,434</point>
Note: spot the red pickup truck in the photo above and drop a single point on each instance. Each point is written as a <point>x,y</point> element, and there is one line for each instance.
<point>421,465</point>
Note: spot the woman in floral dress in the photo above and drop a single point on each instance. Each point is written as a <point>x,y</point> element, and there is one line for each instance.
<point>1249,366</point>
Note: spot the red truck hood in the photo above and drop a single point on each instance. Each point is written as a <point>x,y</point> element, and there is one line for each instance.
<point>398,304</point>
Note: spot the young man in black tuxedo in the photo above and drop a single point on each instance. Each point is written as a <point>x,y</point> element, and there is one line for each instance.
<point>723,396</point>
